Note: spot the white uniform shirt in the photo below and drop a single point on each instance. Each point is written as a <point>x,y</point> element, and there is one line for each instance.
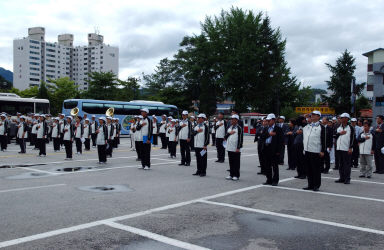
<point>312,138</point>
<point>233,139</point>
<point>20,131</point>
<point>109,126</point>
<point>61,122</point>
<point>55,131</point>
<point>93,127</point>
<point>78,130</point>
<point>34,128</point>
<point>2,128</point>
<point>144,129</point>
<point>154,127</point>
<point>366,146</point>
<point>138,136</point>
<point>86,130</point>
<point>40,130</point>
<point>67,134</point>
<point>200,137</point>
<point>220,131</point>
<point>171,133</point>
<point>343,142</point>
<point>163,124</point>
<point>100,139</point>
<point>183,133</point>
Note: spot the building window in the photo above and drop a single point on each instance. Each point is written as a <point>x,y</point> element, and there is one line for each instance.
<point>34,74</point>
<point>35,42</point>
<point>33,47</point>
<point>34,79</point>
<point>34,52</point>
<point>34,63</point>
<point>370,67</point>
<point>370,87</point>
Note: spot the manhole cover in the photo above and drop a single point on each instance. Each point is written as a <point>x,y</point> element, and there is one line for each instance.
<point>107,188</point>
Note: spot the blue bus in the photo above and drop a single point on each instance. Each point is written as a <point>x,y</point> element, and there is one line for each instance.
<point>125,111</point>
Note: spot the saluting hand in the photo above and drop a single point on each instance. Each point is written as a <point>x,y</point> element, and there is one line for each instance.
<point>200,130</point>
<point>350,151</point>
<point>272,133</point>
<point>343,132</point>
<point>321,154</point>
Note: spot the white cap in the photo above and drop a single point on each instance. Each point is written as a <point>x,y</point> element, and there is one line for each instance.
<point>270,117</point>
<point>170,117</point>
<point>316,112</point>
<point>173,120</point>
<point>102,118</point>
<point>86,119</point>
<point>93,116</point>
<point>184,112</point>
<point>353,120</point>
<point>344,115</point>
<point>192,116</point>
<point>164,115</point>
<point>202,116</point>
<point>145,110</point>
<point>117,119</point>
<point>235,117</point>
<point>140,116</point>
<point>4,115</point>
<point>55,118</point>
<point>22,117</point>
<point>334,119</point>
<point>282,117</point>
<point>108,117</point>
<point>70,117</point>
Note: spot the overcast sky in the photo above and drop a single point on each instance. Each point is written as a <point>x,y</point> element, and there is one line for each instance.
<point>147,31</point>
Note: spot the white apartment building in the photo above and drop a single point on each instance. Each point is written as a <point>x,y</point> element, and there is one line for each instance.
<point>35,60</point>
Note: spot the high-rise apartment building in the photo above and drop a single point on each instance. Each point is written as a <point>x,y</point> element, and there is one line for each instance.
<point>35,60</point>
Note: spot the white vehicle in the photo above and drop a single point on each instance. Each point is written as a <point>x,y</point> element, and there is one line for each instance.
<point>12,103</point>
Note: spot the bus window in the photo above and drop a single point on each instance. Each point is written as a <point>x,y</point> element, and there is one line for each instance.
<point>42,108</point>
<point>163,111</point>
<point>70,104</point>
<point>26,107</point>
<point>131,110</point>
<point>94,108</point>
<point>8,107</point>
<point>119,108</point>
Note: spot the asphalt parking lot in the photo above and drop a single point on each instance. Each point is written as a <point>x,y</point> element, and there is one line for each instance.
<point>49,203</point>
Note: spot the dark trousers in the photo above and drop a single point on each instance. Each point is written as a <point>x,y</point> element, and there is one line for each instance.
<point>56,144</point>
<point>146,154</point>
<point>185,152</point>
<point>155,139</point>
<point>163,140</point>
<point>355,155</point>
<point>271,165</point>
<point>192,143</point>
<point>201,161</point>
<point>93,137</point>
<point>260,146</point>
<point>41,142</point>
<point>220,149</point>
<point>68,148</point>
<point>61,139</point>
<point>291,157</point>
<point>110,148</point>
<point>33,140</point>
<point>87,144</point>
<point>79,145</point>
<point>326,160</point>
<point>337,160</point>
<point>114,142</point>
<point>313,166</point>
<point>102,152</point>
<point>345,165</point>
<point>138,146</point>
<point>172,148</point>
<point>300,161</point>
<point>3,142</point>
<point>234,164</point>
<point>22,145</point>
<point>281,156</point>
<point>213,139</point>
<point>379,161</point>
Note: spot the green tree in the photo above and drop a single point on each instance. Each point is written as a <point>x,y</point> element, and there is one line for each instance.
<point>128,90</point>
<point>4,84</point>
<point>101,86</point>
<point>43,92</point>
<point>32,91</point>
<point>61,89</point>
<point>362,103</point>
<point>340,83</point>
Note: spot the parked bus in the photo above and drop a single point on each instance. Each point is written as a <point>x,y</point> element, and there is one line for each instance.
<point>11,104</point>
<point>122,110</point>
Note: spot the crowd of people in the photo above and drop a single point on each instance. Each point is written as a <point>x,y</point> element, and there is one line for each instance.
<point>312,143</point>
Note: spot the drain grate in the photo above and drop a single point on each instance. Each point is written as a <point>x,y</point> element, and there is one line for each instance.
<point>73,169</point>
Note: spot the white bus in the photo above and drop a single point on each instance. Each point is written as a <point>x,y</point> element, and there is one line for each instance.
<point>12,103</point>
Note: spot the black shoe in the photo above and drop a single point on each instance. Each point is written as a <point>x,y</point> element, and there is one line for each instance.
<point>369,177</point>
<point>260,173</point>
<point>362,176</point>
<point>347,182</point>
<point>217,161</point>
<point>197,173</point>
<point>267,183</point>
<point>187,164</point>
<point>228,170</point>
<point>181,164</point>
<point>316,190</point>
<point>288,169</point>
<point>376,172</point>
<point>339,181</point>
<point>335,168</point>
<point>307,188</point>
<point>274,183</point>
<point>297,177</point>
<point>202,175</point>
<point>302,177</point>
<point>325,172</point>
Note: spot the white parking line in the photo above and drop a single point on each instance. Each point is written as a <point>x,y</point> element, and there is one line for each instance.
<point>294,217</point>
<point>119,218</point>
<point>327,193</point>
<point>156,237</point>
<point>30,188</point>
<point>354,180</point>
